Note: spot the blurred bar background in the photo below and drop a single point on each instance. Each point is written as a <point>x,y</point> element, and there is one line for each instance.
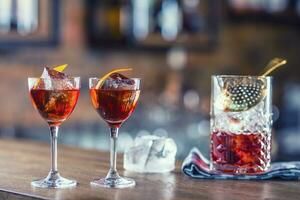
<point>173,45</point>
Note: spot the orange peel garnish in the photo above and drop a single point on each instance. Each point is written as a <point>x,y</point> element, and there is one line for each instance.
<point>101,80</point>
<point>59,68</point>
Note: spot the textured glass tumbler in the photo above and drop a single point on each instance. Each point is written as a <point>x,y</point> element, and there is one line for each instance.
<point>241,120</point>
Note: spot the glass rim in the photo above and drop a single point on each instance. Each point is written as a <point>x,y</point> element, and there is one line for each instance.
<point>69,78</point>
<point>241,76</point>
<point>105,79</point>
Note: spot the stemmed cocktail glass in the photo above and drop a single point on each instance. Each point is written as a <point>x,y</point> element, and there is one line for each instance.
<point>114,102</point>
<point>55,99</point>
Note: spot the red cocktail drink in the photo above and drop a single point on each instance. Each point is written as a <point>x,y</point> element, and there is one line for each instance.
<point>114,105</point>
<point>54,105</point>
<point>240,153</point>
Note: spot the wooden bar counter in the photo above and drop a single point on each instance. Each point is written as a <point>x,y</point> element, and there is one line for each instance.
<point>23,161</point>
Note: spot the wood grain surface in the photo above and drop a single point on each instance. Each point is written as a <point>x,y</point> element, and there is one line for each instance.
<point>23,161</point>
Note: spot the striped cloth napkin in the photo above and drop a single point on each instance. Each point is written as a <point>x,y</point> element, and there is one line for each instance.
<point>196,165</point>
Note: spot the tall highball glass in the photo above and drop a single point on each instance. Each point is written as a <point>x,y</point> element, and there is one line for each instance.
<point>241,120</point>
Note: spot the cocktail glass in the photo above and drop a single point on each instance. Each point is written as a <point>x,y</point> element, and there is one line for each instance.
<point>241,119</point>
<point>114,104</point>
<point>55,100</point>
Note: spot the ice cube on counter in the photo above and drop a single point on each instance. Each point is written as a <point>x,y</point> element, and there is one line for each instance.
<point>151,154</point>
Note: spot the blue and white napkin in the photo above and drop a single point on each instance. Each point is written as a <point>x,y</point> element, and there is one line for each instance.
<point>196,165</point>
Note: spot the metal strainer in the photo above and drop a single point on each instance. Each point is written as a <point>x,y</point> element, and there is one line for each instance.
<point>243,96</point>
<point>248,92</point>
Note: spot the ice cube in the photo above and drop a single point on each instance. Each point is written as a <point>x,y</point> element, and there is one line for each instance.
<point>53,74</point>
<point>151,154</point>
<point>63,84</point>
<point>52,79</point>
<point>118,81</point>
<point>252,120</point>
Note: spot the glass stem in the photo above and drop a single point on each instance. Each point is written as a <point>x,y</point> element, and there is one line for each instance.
<point>113,152</point>
<point>53,135</point>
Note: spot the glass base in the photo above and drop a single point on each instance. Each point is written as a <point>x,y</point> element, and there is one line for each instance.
<point>239,170</point>
<point>118,182</point>
<point>54,180</point>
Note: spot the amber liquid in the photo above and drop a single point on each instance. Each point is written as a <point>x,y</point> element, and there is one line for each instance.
<point>113,105</point>
<point>240,153</point>
<point>54,105</point>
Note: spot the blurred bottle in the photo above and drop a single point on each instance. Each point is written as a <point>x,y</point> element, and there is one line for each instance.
<point>5,15</point>
<point>108,21</point>
<point>19,15</point>
<point>27,16</point>
<point>260,6</point>
<point>142,19</point>
<point>170,19</point>
<point>194,21</point>
<point>298,8</point>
